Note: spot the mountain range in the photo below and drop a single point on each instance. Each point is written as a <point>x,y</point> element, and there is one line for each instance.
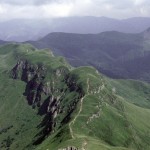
<point>116,54</point>
<point>83,86</point>
<point>28,29</point>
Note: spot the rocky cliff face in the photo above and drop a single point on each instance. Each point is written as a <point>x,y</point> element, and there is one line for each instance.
<point>69,148</point>
<point>48,89</point>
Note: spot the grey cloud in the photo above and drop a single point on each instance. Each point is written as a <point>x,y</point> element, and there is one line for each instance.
<point>60,8</point>
<point>24,2</point>
<point>33,2</point>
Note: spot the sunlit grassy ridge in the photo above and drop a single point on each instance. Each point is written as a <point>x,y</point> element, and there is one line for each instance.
<point>111,115</point>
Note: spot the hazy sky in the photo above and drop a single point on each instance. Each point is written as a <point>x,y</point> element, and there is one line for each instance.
<point>10,9</point>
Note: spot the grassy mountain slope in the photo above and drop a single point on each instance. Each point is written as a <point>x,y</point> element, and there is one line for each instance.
<point>47,104</point>
<point>18,120</point>
<point>136,92</point>
<point>118,55</point>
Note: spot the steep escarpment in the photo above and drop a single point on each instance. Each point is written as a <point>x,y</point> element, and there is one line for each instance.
<point>54,92</point>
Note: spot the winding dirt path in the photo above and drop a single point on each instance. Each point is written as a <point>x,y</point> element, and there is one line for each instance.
<point>73,121</point>
<point>88,86</point>
<point>80,110</point>
<point>84,145</point>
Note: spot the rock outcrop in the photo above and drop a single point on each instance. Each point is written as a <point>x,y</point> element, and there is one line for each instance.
<point>47,89</point>
<point>69,148</point>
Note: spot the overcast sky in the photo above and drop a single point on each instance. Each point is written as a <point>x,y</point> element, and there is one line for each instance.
<point>10,9</point>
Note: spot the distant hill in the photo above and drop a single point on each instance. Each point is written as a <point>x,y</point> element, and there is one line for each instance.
<point>116,54</point>
<point>3,42</point>
<point>26,29</point>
